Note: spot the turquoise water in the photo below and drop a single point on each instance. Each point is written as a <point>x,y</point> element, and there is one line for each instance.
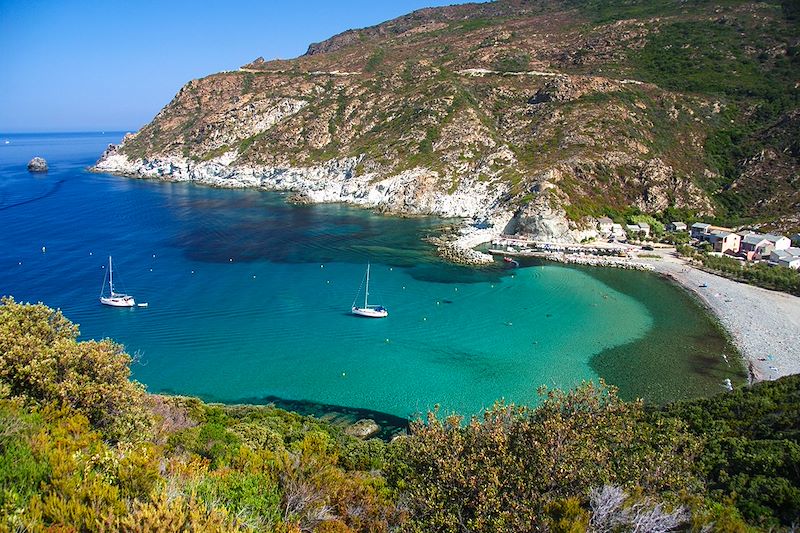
<point>249,297</point>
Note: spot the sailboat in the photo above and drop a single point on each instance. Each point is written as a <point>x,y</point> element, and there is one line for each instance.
<point>115,299</point>
<point>369,311</point>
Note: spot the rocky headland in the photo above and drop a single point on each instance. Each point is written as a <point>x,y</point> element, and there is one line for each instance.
<point>528,118</point>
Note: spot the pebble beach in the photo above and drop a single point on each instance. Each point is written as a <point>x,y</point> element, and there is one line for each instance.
<point>764,324</point>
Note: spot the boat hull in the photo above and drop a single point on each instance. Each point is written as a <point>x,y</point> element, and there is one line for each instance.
<point>118,301</point>
<point>370,312</point>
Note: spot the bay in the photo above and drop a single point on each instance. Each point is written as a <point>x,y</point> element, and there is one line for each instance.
<point>249,298</point>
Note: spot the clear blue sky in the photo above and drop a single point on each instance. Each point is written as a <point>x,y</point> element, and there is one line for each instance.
<point>70,65</point>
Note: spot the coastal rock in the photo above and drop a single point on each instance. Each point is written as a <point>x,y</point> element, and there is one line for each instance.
<point>539,221</point>
<point>363,429</point>
<point>37,164</point>
<point>415,191</point>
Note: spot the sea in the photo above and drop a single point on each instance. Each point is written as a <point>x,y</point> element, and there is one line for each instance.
<point>249,298</point>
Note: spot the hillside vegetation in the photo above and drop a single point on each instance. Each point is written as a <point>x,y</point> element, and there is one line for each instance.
<point>82,448</point>
<point>596,105</point>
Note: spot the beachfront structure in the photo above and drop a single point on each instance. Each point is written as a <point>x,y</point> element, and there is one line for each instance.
<point>617,231</point>
<point>755,246</point>
<point>644,227</point>
<point>699,230</point>
<point>605,225</point>
<point>789,257</point>
<point>724,241</point>
<point>778,241</point>
<point>676,226</point>
<point>795,239</point>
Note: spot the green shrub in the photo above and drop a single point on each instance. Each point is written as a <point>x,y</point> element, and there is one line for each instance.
<point>42,362</point>
<point>502,473</point>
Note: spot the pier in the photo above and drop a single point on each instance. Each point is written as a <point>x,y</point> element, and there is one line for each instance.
<point>595,254</point>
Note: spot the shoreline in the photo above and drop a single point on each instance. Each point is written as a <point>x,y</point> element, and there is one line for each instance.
<point>764,325</point>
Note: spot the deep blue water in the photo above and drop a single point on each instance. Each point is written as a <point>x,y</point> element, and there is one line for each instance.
<point>249,297</point>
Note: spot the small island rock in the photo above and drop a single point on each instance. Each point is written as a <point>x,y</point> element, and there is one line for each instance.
<point>363,429</point>
<point>37,164</point>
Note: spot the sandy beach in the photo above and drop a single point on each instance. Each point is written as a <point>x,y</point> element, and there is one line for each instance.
<point>764,324</point>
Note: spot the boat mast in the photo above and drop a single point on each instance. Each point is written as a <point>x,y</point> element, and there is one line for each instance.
<point>110,276</point>
<point>366,293</point>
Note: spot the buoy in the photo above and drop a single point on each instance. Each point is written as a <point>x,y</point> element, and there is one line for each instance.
<point>343,374</point>
<point>390,268</point>
<point>150,269</point>
<point>387,340</point>
<point>322,266</point>
<point>90,253</point>
<point>154,255</point>
<point>192,271</point>
<point>254,277</point>
<point>328,282</point>
<point>44,249</point>
<point>404,287</point>
<point>20,262</point>
<point>456,288</point>
<point>230,260</point>
<point>437,303</point>
<point>424,318</point>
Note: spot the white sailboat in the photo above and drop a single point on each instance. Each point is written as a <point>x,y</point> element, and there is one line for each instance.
<point>369,311</point>
<point>115,299</point>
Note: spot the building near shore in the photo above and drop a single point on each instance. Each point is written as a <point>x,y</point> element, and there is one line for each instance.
<point>795,239</point>
<point>676,226</point>
<point>756,246</point>
<point>789,257</point>
<point>699,230</point>
<point>724,241</point>
<point>644,227</point>
<point>780,242</point>
<point>605,225</point>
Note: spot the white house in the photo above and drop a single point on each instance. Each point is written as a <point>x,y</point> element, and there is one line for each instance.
<point>676,226</point>
<point>790,257</point>
<point>644,227</point>
<point>605,225</point>
<point>778,241</point>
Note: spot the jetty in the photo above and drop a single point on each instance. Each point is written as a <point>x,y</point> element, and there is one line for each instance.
<point>599,254</point>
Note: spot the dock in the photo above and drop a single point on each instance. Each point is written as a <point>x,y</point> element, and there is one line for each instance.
<point>592,255</point>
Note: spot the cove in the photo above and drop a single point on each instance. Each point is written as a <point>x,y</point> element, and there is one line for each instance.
<point>249,297</point>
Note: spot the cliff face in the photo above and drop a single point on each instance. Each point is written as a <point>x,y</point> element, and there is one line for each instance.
<point>550,111</point>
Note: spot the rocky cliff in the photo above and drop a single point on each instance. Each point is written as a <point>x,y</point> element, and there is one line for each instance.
<point>533,116</point>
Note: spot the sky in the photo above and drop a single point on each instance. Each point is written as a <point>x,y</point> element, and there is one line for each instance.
<point>111,65</point>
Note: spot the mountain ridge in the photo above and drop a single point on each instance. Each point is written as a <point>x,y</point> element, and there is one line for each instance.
<point>542,115</point>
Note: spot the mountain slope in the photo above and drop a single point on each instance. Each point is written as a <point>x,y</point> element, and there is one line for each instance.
<point>552,111</point>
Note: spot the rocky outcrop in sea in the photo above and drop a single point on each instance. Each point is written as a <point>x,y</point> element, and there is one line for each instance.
<point>37,164</point>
